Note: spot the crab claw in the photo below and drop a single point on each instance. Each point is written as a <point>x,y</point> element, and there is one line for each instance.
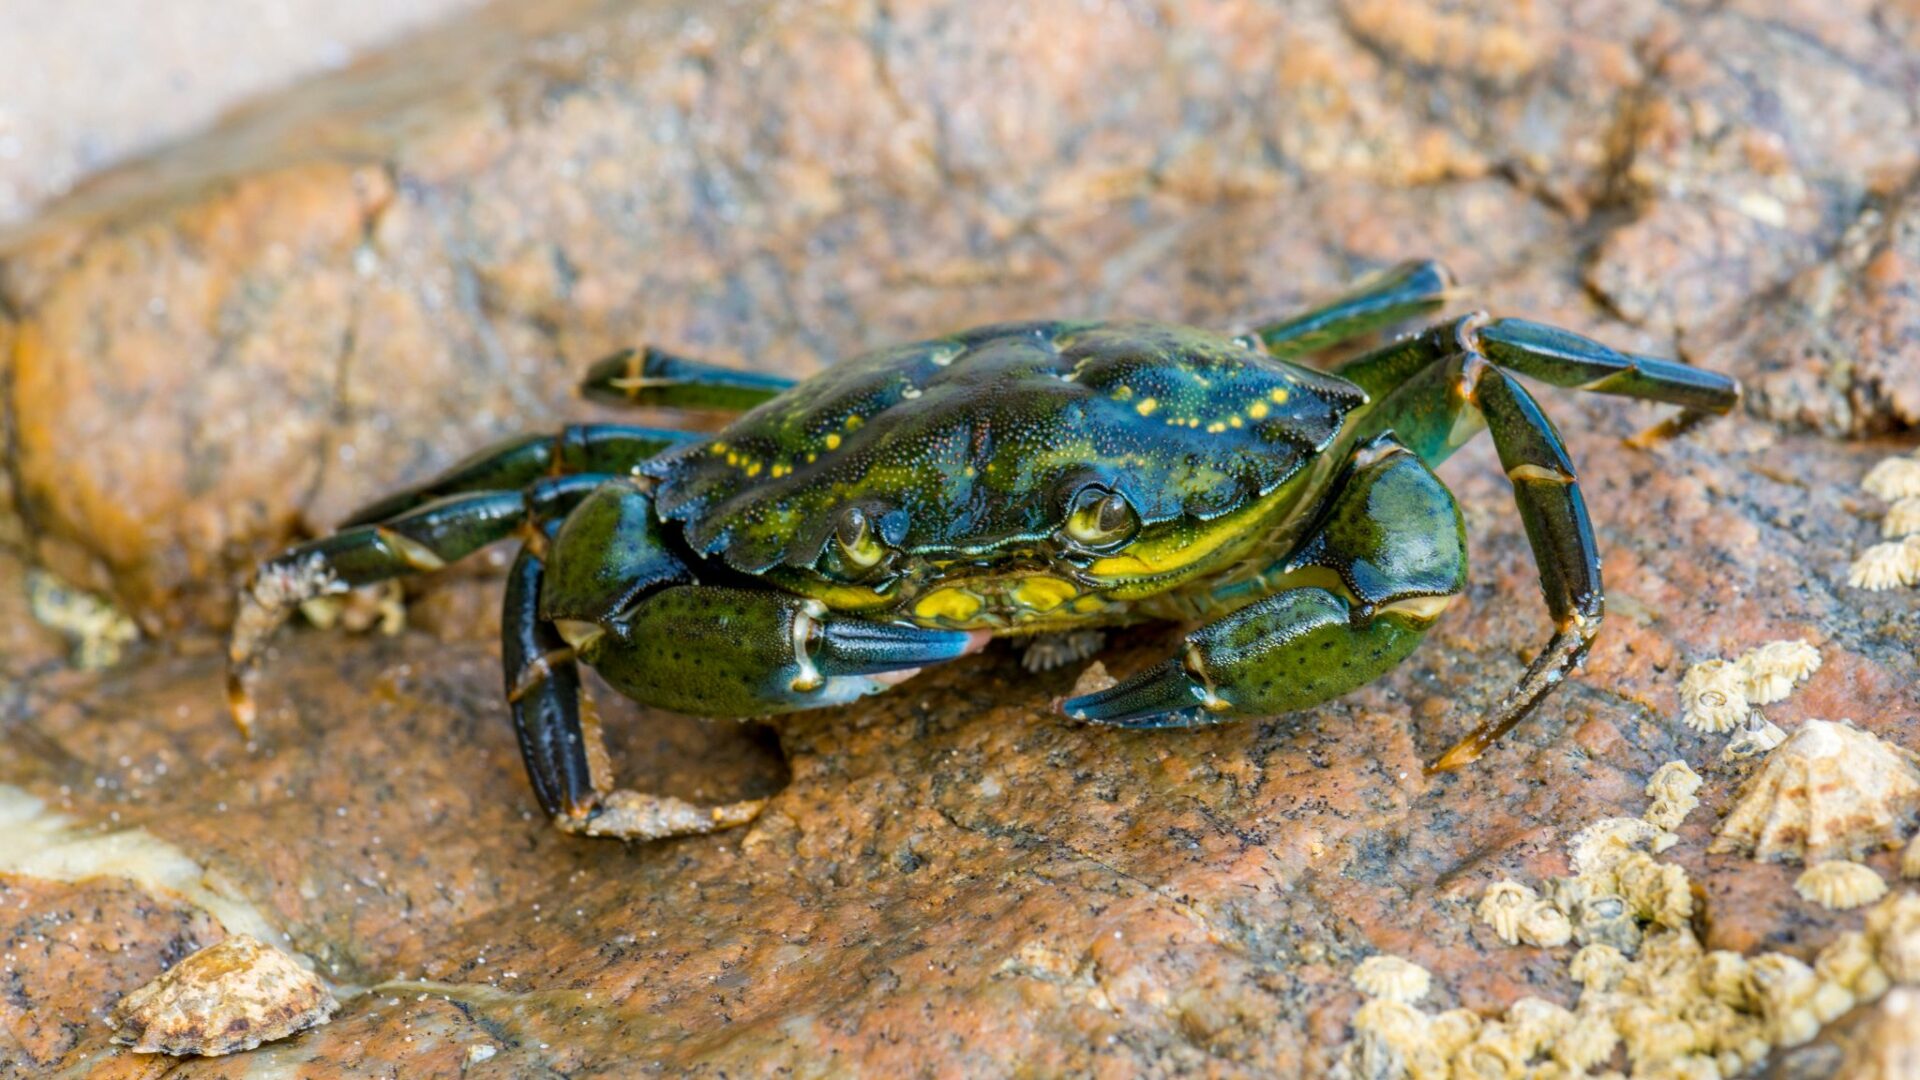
<point>1161,696</point>
<point>860,647</point>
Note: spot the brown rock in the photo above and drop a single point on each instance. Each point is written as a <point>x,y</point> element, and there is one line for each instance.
<point>949,867</point>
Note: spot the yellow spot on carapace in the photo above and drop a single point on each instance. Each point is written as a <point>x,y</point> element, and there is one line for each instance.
<point>1233,421</point>
<point>955,605</point>
<point>719,448</point>
<point>1258,410</point>
<point>1279,395</point>
<point>781,470</point>
<point>968,470</point>
<point>753,469</point>
<point>853,423</point>
<point>1216,427</point>
<point>1146,406</point>
<point>811,458</point>
<point>1087,605</point>
<point>1043,593</point>
<point>833,440</point>
<point>1124,393</point>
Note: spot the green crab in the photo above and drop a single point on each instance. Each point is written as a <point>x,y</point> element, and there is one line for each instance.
<point>1038,480</point>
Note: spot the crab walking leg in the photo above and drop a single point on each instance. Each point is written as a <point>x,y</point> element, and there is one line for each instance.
<point>654,377</point>
<point>1354,600</point>
<point>516,462</point>
<point>698,649</point>
<point>422,539</point>
<point>1381,299</point>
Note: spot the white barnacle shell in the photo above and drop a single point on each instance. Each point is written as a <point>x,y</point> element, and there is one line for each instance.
<point>1545,925</point>
<point>1569,893</point>
<point>1783,988</point>
<point>1910,858</point>
<point>1888,1046</point>
<point>1598,967</point>
<point>1713,696</point>
<point>1894,478</point>
<point>1830,1000</point>
<point>1536,1022</point>
<point>1502,907</point>
<point>1597,848</point>
<point>1840,885</point>
<point>1391,1039</point>
<point>1903,518</point>
<point>1774,669</point>
<point>1723,976</point>
<point>1653,1034</point>
<point>1453,1029</point>
<point>1672,789</point>
<point>1586,1042</point>
<point>1392,978</point>
<point>1888,565</point>
<point>1893,927</point>
<point>1494,1052</point>
<point>1830,790</point>
<point>1848,961</point>
<point>1607,920</point>
<point>227,997</point>
<point>1757,737</point>
<point>1658,892</point>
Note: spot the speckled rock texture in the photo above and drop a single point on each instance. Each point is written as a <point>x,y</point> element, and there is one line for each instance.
<point>214,352</point>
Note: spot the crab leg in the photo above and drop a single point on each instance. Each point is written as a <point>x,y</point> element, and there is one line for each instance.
<point>653,377</point>
<point>425,538</point>
<point>1379,300</point>
<point>1352,602</point>
<point>516,462</point>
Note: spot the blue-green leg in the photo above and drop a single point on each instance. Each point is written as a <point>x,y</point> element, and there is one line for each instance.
<point>1376,301</point>
<point>620,600</point>
<point>1382,564</point>
<point>422,539</point>
<point>654,377</point>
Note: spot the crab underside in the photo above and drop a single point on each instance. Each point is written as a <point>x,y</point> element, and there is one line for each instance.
<point>1039,480</point>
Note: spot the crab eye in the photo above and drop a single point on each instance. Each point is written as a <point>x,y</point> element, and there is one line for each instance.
<point>1100,518</point>
<point>859,549</point>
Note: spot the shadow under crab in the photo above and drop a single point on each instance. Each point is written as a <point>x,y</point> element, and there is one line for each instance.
<point>900,508</point>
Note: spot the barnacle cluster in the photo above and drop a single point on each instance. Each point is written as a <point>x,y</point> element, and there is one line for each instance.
<point>1896,561</point>
<point>1649,990</point>
<point>1829,791</point>
<point>1718,695</point>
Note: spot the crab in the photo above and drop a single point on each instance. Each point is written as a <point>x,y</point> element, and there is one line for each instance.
<point>1034,480</point>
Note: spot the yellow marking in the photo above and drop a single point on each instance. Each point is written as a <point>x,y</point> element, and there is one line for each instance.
<point>1124,393</point>
<point>1146,406</point>
<point>833,440</point>
<point>1193,421</point>
<point>1088,605</point>
<point>955,605</point>
<point>1043,593</point>
<point>968,470</point>
<point>1258,410</point>
<point>1233,421</point>
<point>1546,473</point>
<point>781,470</point>
<point>1421,608</point>
<point>1216,428</point>
<point>1164,555</point>
<point>733,459</point>
<point>1279,395</point>
<point>811,458</point>
<point>753,469</point>
<point>719,447</point>
<point>853,423</point>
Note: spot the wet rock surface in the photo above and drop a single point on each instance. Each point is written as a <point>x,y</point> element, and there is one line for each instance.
<point>231,346</point>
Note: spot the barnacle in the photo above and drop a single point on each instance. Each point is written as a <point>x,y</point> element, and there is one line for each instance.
<point>1839,885</point>
<point>1569,893</point>
<point>1713,696</point>
<point>1599,846</point>
<point>1910,859</point>
<point>1653,1033</point>
<point>1757,737</point>
<point>1672,790</point>
<point>1848,961</point>
<point>1893,927</point>
<point>1829,790</point>
<point>1783,988</point>
<point>1607,920</point>
<point>1657,891</point>
<point>1453,1029</point>
<point>1773,669</point>
<point>1886,566</point>
<point>1888,1045</point>
<point>1502,907</point>
<point>1391,1038</point>
<point>229,996</point>
<point>1723,975</point>
<point>1535,1023</point>
<point>1894,478</point>
<point>1586,1042</point>
<point>1494,1052</point>
<point>1392,978</point>
<point>1598,967</point>
<point>1545,925</point>
<point>1903,518</point>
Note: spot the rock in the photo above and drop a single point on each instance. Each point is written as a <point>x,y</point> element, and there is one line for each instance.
<point>237,343</point>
